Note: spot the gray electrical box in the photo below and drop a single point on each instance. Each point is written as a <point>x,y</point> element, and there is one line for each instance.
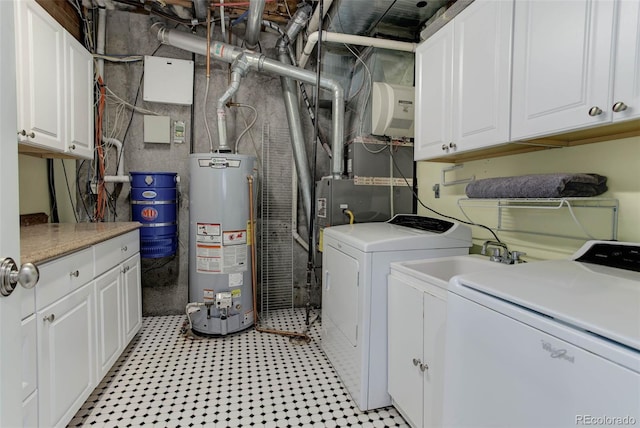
<point>369,158</point>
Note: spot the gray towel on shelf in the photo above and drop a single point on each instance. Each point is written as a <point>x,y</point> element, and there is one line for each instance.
<point>538,186</point>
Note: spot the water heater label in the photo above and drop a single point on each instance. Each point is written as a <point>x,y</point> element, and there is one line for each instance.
<point>208,233</point>
<point>234,237</point>
<point>234,258</point>
<point>208,295</point>
<point>208,258</point>
<point>149,194</point>
<point>235,280</point>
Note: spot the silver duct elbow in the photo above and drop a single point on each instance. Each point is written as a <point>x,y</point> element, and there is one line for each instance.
<point>251,36</point>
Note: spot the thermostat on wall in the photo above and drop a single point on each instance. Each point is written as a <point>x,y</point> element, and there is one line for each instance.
<point>168,80</point>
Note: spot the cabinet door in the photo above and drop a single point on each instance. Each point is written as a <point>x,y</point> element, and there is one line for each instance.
<point>434,59</point>
<point>482,74</point>
<point>435,314</point>
<point>39,57</point>
<point>405,324</point>
<point>561,66</point>
<point>626,87</point>
<point>110,319</point>
<point>132,297</point>
<point>66,356</point>
<point>79,84</point>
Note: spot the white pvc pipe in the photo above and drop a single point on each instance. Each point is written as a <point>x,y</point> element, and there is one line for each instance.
<point>116,179</point>
<point>314,22</point>
<point>352,40</point>
<point>119,157</point>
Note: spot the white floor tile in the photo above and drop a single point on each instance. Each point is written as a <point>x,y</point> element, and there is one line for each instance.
<point>247,379</point>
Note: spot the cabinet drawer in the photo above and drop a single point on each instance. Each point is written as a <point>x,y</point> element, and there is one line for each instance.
<point>64,275</point>
<point>29,365</point>
<point>116,250</point>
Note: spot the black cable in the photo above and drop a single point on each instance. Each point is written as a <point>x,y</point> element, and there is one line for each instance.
<point>415,194</point>
<point>86,210</point>
<point>53,201</point>
<point>66,179</point>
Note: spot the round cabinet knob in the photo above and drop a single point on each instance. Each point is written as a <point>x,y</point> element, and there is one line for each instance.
<point>124,248</point>
<point>23,133</point>
<point>72,147</point>
<point>424,367</point>
<point>75,273</point>
<point>595,111</point>
<point>416,362</point>
<point>49,318</point>
<point>453,145</point>
<point>619,106</point>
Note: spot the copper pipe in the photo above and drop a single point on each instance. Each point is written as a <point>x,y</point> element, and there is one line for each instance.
<point>254,275</point>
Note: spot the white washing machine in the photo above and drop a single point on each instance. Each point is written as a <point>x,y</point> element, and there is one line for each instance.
<point>546,344</point>
<point>355,264</point>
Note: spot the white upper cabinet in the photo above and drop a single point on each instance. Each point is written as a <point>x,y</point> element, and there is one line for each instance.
<point>463,78</point>
<point>39,59</point>
<point>434,62</point>
<point>79,84</point>
<point>562,53</point>
<point>54,85</point>
<point>482,74</point>
<point>625,102</point>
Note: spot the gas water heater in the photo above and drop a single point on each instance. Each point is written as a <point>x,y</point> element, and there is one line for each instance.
<point>219,240</point>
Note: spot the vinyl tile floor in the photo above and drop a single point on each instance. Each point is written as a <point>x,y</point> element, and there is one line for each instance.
<point>247,379</point>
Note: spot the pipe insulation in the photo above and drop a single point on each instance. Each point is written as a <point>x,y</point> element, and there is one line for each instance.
<point>254,20</point>
<point>351,39</point>
<point>228,53</point>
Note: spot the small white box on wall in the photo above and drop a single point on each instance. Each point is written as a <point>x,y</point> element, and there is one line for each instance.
<point>157,129</point>
<point>168,80</point>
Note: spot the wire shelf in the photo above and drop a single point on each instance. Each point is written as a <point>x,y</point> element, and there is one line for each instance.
<point>504,205</point>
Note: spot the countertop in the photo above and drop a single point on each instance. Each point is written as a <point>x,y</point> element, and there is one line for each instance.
<point>43,242</point>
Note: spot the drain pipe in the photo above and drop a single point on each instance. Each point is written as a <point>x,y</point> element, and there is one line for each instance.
<point>228,53</point>
<point>352,40</point>
<point>239,70</point>
<point>254,19</point>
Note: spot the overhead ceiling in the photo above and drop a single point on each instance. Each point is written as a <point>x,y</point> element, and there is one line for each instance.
<point>397,19</point>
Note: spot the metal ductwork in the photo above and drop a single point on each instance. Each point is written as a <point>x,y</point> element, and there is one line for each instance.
<point>290,96</point>
<point>229,53</point>
<point>254,20</point>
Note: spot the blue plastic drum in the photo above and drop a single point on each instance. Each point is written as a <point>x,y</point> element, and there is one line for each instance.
<point>154,198</point>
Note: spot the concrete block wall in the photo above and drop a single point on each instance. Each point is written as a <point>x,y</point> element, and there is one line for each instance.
<point>165,281</point>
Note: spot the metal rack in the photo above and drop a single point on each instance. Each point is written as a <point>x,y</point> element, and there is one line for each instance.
<point>504,205</point>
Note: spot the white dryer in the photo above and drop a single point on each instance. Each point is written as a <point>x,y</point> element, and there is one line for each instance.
<point>355,264</point>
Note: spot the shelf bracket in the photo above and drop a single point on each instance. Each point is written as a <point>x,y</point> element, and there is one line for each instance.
<point>443,178</point>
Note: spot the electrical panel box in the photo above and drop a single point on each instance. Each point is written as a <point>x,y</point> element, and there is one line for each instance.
<point>168,80</point>
<point>392,110</point>
<point>157,129</point>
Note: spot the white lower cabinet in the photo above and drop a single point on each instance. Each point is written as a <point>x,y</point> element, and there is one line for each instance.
<point>132,293</point>
<point>87,309</point>
<point>66,355</point>
<point>416,321</point>
<point>109,313</point>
